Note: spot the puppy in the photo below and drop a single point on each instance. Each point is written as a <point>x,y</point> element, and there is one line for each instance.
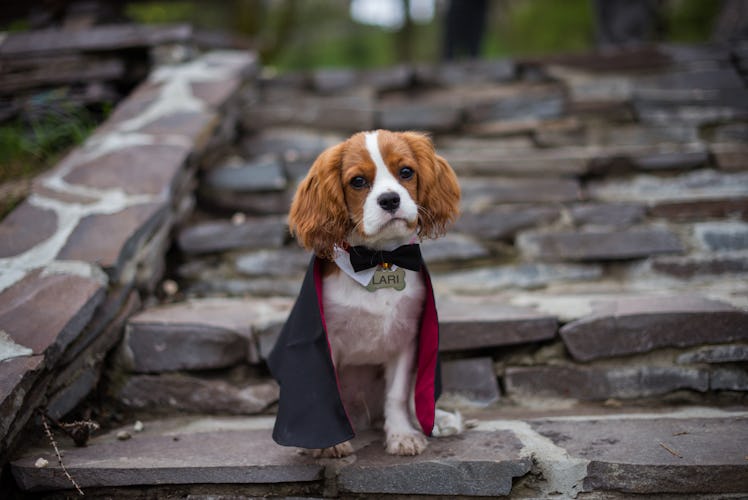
<point>366,302</point>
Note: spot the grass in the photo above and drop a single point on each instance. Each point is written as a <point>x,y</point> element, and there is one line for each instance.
<point>30,145</point>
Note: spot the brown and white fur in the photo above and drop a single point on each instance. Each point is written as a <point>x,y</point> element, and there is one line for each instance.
<point>379,189</point>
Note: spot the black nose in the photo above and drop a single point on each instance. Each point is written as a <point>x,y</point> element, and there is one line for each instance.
<point>389,201</point>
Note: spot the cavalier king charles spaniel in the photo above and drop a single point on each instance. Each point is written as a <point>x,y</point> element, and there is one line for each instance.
<point>366,200</point>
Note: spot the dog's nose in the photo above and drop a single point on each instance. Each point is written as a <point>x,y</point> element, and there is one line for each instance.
<point>389,201</point>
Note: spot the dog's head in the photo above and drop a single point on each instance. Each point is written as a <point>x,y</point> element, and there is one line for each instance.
<point>374,189</point>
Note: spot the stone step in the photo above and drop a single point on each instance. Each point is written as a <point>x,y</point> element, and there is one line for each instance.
<point>698,451</point>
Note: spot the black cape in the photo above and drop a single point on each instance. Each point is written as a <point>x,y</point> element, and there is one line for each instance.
<point>311,413</point>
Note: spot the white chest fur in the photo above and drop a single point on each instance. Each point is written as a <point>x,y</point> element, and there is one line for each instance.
<point>370,327</point>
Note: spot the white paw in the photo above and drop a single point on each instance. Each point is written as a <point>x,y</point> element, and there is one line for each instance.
<point>447,423</point>
<point>338,451</point>
<point>406,444</point>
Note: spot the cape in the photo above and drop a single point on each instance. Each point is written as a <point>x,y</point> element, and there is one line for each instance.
<point>311,413</point>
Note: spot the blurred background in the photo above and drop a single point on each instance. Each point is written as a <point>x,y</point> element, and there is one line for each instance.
<point>293,35</point>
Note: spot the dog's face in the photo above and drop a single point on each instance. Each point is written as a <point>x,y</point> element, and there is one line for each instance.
<point>375,188</point>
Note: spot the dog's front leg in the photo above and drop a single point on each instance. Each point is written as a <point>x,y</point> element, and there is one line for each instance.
<point>401,437</point>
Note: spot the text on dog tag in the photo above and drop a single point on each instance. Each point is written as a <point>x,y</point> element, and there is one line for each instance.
<point>387,278</point>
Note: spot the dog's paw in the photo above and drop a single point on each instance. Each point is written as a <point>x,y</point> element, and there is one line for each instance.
<point>338,451</point>
<point>448,423</point>
<point>406,444</point>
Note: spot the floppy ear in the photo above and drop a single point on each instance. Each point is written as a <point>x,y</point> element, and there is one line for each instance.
<point>318,217</point>
<point>438,190</point>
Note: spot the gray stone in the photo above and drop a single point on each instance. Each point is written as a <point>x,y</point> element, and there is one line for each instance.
<point>658,455</point>
<point>692,106</point>
<point>286,261</point>
<point>722,236</point>
<point>474,464</point>
<point>389,78</point>
<point>262,174</point>
<point>171,392</point>
<point>172,454</point>
<point>17,375</point>
<point>553,162</point>
<point>289,142</point>
<point>607,214</point>
<point>478,193</point>
<point>730,353</point>
<point>731,133</point>
<point>469,382</point>
<point>217,236</point>
<point>699,185</point>
<point>67,398</point>
<point>257,204</point>
<point>46,313</point>
<point>728,379</point>
<point>330,80</point>
<point>466,72</point>
<point>414,115</point>
<point>199,334</point>
<point>492,279</point>
<point>452,247</point>
<point>628,326</point>
<point>471,323</point>
<point>539,103</point>
<point>675,160</point>
<point>504,221</point>
<point>601,383</point>
<point>701,208</point>
<point>597,244</point>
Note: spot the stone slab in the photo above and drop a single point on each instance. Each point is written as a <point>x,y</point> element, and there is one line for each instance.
<point>286,261</point>
<point>472,464</point>
<point>597,244</point>
<point>504,221</point>
<point>237,175</point>
<point>721,236</point>
<point>686,456</point>
<point>602,383</point>
<point>179,392</point>
<point>496,278</point>
<point>555,162</point>
<point>47,312</point>
<point>145,169</point>
<point>482,192</point>
<point>24,228</point>
<point>174,455</point>
<point>453,247</point>
<point>16,377</point>
<point>472,323</point>
<point>728,353</point>
<point>199,334</point>
<point>221,235</point>
<point>437,117</point>
<point>125,230</point>
<point>607,214</point>
<point>636,325</point>
<point>469,382</point>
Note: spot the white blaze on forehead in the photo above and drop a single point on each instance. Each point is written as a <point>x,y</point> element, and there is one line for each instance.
<point>372,146</point>
<point>374,216</point>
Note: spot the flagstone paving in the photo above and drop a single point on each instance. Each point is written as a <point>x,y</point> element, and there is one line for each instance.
<point>601,257</point>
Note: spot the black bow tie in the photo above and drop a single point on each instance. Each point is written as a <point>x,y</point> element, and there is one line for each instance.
<point>407,256</point>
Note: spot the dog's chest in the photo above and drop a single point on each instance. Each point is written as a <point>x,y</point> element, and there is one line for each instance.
<point>367,327</point>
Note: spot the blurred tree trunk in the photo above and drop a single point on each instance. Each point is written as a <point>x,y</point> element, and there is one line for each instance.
<point>404,38</point>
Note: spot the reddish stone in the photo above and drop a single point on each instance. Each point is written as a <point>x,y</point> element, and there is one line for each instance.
<point>109,239</point>
<point>699,209</point>
<point>24,228</point>
<point>46,313</point>
<point>145,169</point>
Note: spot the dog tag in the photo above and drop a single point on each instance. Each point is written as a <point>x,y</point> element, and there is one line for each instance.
<point>387,278</point>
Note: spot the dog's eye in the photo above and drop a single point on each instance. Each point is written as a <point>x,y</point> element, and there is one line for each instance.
<point>359,182</point>
<point>406,173</point>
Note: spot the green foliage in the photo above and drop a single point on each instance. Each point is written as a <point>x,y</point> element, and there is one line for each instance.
<point>538,27</point>
<point>28,146</point>
<point>690,21</point>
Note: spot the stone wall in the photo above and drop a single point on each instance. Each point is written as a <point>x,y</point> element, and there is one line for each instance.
<point>81,252</point>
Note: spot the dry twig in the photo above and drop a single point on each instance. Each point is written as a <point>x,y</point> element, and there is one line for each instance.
<point>51,438</point>
<point>671,451</point>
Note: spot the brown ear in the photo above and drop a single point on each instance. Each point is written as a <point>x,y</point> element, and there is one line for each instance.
<point>318,217</point>
<point>438,190</point>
